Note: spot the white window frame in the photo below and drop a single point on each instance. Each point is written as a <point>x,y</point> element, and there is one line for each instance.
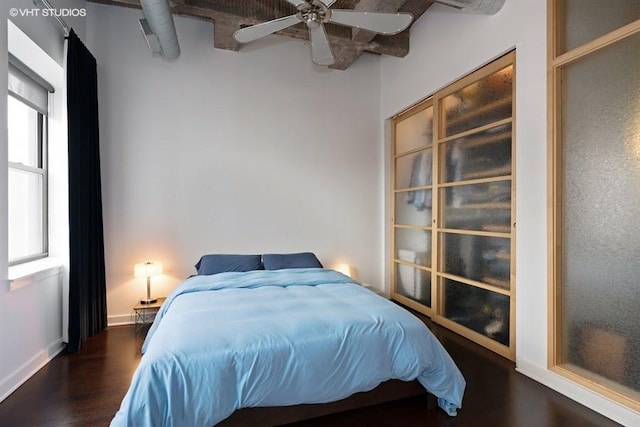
<point>42,170</point>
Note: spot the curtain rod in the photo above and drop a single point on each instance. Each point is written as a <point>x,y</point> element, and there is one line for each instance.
<point>47,5</point>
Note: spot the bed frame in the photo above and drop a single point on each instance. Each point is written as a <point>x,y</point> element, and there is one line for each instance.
<point>388,391</point>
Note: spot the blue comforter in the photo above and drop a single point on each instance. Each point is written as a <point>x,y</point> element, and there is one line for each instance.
<point>277,338</point>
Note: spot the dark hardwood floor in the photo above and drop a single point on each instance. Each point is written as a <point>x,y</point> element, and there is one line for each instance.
<point>85,389</point>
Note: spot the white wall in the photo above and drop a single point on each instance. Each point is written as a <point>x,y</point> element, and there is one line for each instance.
<point>444,47</point>
<point>231,152</point>
<point>31,316</point>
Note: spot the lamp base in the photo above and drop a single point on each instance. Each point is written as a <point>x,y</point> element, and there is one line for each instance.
<point>148,301</point>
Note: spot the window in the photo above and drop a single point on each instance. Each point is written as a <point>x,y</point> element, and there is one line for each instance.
<point>27,107</point>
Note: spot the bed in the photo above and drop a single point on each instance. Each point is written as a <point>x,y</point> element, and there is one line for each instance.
<point>274,338</point>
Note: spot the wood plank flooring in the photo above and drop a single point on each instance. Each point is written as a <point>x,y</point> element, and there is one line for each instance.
<point>86,388</point>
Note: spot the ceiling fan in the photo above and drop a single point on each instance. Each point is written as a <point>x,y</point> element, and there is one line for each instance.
<point>316,13</point>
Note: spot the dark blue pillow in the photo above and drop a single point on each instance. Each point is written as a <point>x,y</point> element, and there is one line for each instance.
<point>221,263</point>
<point>299,260</point>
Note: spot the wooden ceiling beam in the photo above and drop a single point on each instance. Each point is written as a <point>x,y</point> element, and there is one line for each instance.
<point>347,44</point>
<point>367,41</point>
<point>223,34</point>
<point>347,55</point>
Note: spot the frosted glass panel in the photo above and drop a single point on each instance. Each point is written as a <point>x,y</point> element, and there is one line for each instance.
<point>601,213</point>
<point>413,246</point>
<point>483,102</point>
<point>482,155</point>
<point>413,283</point>
<point>485,259</point>
<point>411,208</point>
<point>480,310</point>
<point>414,170</point>
<point>586,20</point>
<point>482,207</point>
<point>25,214</point>
<point>415,131</point>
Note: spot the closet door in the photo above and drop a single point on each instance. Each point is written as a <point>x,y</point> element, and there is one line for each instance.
<point>413,206</point>
<point>453,207</point>
<point>475,198</point>
<point>594,244</point>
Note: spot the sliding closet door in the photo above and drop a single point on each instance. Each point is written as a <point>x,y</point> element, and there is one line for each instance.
<point>413,206</point>
<point>453,207</point>
<point>596,211</point>
<point>475,199</point>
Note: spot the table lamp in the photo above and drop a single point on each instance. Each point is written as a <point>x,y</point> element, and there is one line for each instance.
<point>148,269</point>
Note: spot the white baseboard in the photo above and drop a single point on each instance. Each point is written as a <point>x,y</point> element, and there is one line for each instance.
<point>29,368</point>
<point>120,319</point>
<point>603,405</point>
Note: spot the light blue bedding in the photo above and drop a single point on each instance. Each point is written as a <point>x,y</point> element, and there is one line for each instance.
<point>277,338</point>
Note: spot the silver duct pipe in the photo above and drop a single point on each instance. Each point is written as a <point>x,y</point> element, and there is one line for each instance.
<point>160,23</point>
<point>479,7</point>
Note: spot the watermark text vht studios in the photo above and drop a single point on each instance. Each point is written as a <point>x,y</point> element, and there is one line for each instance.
<point>34,11</point>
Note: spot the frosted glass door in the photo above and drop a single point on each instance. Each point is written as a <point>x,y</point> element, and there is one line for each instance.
<point>601,212</point>
<point>475,202</point>
<point>453,202</point>
<point>413,204</point>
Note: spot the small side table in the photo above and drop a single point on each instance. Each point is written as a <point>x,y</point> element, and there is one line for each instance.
<point>144,314</point>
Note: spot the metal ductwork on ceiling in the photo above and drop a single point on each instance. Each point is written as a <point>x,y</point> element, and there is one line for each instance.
<point>158,29</point>
<point>479,7</point>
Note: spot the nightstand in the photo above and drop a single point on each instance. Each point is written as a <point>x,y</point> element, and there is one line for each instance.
<point>144,314</point>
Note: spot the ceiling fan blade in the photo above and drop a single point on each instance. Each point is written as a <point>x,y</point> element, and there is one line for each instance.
<point>296,3</point>
<point>249,34</point>
<point>378,22</point>
<point>328,3</point>
<point>320,49</point>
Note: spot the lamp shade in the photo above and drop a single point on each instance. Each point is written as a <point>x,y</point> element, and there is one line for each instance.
<point>147,269</point>
<point>344,269</point>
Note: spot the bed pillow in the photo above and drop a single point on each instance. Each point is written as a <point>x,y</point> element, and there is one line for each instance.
<point>221,263</point>
<point>299,260</point>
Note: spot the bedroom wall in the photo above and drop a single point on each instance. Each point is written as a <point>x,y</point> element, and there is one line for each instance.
<point>30,316</point>
<point>445,46</point>
<point>231,152</point>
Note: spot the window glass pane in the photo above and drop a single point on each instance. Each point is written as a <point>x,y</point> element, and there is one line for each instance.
<point>413,283</point>
<point>414,131</point>
<point>586,20</point>
<point>25,214</point>
<point>22,133</point>
<point>483,102</point>
<point>482,155</point>
<point>411,208</point>
<point>414,170</point>
<point>600,178</point>
<point>480,310</point>
<point>482,207</point>
<point>413,246</point>
<point>480,258</point>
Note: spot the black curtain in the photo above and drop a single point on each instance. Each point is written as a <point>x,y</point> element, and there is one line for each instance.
<point>87,285</point>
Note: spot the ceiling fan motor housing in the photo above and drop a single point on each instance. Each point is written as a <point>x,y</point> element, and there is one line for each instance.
<point>314,13</point>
